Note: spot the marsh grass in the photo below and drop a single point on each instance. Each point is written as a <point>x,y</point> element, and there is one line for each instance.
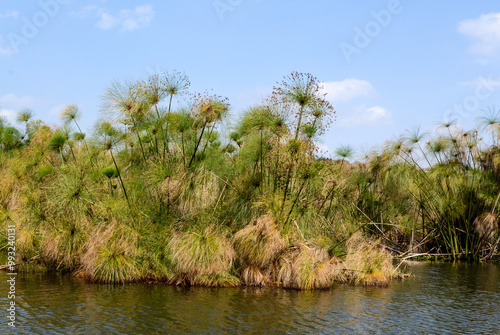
<point>170,191</point>
<point>259,243</point>
<point>486,226</point>
<point>254,276</point>
<point>110,255</point>
<point>155,263</point>
<point>64,245</point>
<point>199,191</point>
<point>367,263</point>
<point>201,256</point>
<point>306,267</point>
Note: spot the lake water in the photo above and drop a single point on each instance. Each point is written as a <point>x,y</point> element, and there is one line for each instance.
<point>438,299</point>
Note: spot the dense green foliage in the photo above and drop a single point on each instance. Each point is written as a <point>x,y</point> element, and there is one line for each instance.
<point>160,192</point>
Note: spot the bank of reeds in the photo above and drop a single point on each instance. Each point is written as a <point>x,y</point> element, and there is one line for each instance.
<point>159,192</point>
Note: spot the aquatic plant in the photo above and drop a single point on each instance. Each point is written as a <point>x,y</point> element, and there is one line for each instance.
<point>165,189</point>
<point>258,246</point>
<point>202,257</point>
<point>367,262</point>
<point>110,255</point>
<point>306,267</point>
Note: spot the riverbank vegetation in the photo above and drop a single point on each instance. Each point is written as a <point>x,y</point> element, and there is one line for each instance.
<point>160,191</point>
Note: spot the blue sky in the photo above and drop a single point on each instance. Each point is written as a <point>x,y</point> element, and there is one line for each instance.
<point>387,66</point>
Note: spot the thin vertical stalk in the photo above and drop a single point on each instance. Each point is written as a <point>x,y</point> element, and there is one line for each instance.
<point>120,177</point>
<point>197,145</point>
<point>295,201</point>
<point>298,123</point>
<point>261,160</point>
<point>183,151</point>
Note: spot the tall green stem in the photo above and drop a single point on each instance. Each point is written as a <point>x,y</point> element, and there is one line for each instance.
<point>298,124</point>
<point>120,177</point>
<point>197,145</point>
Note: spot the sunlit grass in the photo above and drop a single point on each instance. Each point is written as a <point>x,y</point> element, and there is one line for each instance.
<point>170,191</point>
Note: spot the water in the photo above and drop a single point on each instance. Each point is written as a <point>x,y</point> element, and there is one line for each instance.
<point>438,299</point>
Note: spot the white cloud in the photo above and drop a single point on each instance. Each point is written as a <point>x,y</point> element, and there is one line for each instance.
<point>364,116</point>
<point>14,101</point>
<point>485,33</point>
<point>138,18</point>
<point>9,13</point>
<point>11,103</point>
<point>107,21</point>
<point>488,83</point>
<point>324,150</point>
<point>125,19</point>
<point>8,114</point>
<point>86,11</point>
<point>55,111</point>
<point>347,89</point>
<point>254,95</point>
<point>5,50</point>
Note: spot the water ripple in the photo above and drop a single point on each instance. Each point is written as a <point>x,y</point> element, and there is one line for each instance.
<point>439,299</point>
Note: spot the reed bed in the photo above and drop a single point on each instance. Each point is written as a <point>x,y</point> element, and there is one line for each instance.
<point>165,189</point>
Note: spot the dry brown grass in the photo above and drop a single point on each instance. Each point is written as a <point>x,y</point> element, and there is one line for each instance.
<point>200,191</point>
<point>260,243</point>
<point>253,276</point>
<point>111,255</point>
<point>222,279</point>
<point>307,267</point>
<point>202,257</point>
<point>367,263</point>
<point>485,226</point>
<point>165,181</point>
<point>8,190</point>
<point>64,244</point>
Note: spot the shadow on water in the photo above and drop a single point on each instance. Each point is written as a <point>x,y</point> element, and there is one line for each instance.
<point>439,298</point>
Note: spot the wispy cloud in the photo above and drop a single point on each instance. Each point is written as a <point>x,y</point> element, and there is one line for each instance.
<point>347,89</point>
<point>55,111</point>
<point>11,103</point>
<point>125,19</point>
<point>9,13</point>
<point>489,82</point>
<point>253,96</point>
<point>364,116</point>
<point>485,33</point>
<point>8,114</point>
<point>86,11</point>
<point>5,50</point>
<point>324,150</point>
<point>16,101</point>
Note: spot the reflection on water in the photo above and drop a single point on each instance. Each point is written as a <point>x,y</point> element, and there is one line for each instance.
<point>438,299</point>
